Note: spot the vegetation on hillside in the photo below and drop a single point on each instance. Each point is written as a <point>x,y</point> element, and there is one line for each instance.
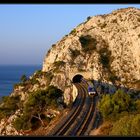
<point>122,112</point>
<point>128,125</point>
<point>88,18</point>
<point>33,110</point>
<point>74,53</point>
<point>27,82</point>
<point>9,105</point>
<point>73,32</point>
<point>57,66</point>
<point>88,43</point>
<point>105,57</point>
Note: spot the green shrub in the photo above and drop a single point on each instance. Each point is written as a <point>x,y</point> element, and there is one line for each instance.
<point>26,81</point>
<point>88,43</point>
<point>38,74</point>
<point>105,56</point>
<point>73,32</point>
<point>35,106</point>
<point>88,18</point>
<point>105,106</point>
<point>104,60</point>
<point>122,101</point>
<point>84,40</point>
<point>23,78</point>
<point>57,64</point>
<point>113,77</point>
<point>127,126</point>
<point>135,125</point>
<point>22,122</point>
<point>9,105</point>
<point>54,92</point>
<point>16,85</point>
<point>110,105</point>
<point>49,76</point>
<point>122,126</point>
<point>137,103</point>
<point>2,114</point>
<point>34,81</point>
<point>74,53</point>
<point>53,45</point>
<point>19,84</point>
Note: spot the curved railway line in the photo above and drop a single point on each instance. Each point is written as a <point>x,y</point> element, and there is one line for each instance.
<point>81,118</point>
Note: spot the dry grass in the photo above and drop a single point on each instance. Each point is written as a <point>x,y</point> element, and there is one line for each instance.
<point>103,129</point>
<point>44,131</point>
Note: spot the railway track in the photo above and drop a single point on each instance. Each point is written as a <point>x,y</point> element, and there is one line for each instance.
<point>87,117</point>
<point>80,118</point>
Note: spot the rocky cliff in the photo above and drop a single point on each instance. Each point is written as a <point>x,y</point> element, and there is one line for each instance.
<point>108,46</point>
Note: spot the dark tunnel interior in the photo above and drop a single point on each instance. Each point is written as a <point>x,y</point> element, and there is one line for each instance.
<point>77,78</point>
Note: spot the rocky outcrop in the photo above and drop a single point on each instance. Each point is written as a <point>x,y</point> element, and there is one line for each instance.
<point>114,44</point>
<point>70,94</point>
<point>6,127</point>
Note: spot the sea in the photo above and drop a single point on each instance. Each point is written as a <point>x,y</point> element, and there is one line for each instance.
<point>11,74</point>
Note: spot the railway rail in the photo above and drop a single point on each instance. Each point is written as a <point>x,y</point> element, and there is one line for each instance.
<point>81,117</point>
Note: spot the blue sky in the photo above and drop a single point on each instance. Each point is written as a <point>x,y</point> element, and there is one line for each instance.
<point>27,31</point>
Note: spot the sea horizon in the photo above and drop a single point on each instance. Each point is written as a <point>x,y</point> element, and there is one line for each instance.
<point>20,64</point>
<point>11,74</point>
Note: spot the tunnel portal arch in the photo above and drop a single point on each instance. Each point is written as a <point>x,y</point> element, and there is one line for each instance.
<point>77,78</point>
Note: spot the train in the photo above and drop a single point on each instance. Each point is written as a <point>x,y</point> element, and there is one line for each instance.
<point>92,91</point>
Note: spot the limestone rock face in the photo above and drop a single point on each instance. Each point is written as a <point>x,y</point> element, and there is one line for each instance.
<point>6,127</point>
<point>60,80</point>
<point>70,94</point>
<point>117,34</point>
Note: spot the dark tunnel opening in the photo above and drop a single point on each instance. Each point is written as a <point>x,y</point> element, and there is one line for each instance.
<point>77,78</point>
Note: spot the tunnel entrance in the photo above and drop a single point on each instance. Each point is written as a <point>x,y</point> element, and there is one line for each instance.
<point>77,78</point>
